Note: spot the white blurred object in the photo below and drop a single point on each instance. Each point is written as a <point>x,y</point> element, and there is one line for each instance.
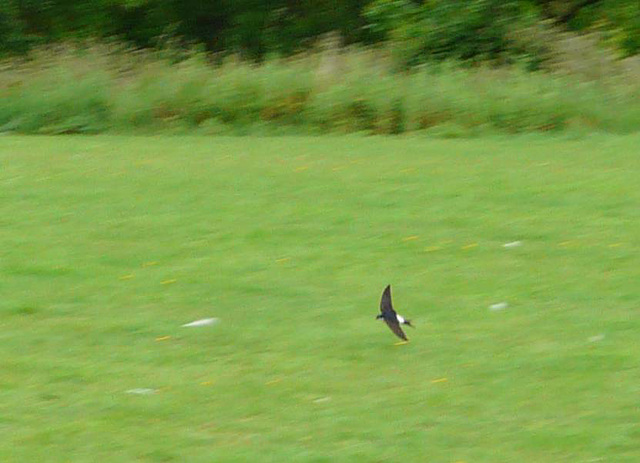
<point>322,399</point>
<point>596,338</point>
<point>202,322</point>
<point>142,391</point>
<point>513,244</point>
<point>498,306</point>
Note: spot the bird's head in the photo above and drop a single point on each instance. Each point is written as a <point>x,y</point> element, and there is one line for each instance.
<point>408,322</point>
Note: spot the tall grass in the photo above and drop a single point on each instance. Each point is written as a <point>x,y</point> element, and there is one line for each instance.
<point>98,89</point>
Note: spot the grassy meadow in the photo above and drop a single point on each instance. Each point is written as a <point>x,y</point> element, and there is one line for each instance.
<point>110,243</point>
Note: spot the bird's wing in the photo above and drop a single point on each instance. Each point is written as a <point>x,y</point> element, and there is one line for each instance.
<point>385,304</point>
<point>395,327</point>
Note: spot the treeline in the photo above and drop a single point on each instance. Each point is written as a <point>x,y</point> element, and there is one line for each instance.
<point>420,30</point>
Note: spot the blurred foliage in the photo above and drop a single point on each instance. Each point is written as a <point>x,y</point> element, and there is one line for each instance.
<point>491,30</point>
<point>446,29</point>
<point>248,26</point>
<point>108,89</point>
<point>420,30</point>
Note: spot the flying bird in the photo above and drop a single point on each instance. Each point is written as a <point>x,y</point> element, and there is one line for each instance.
<point>390,317</point>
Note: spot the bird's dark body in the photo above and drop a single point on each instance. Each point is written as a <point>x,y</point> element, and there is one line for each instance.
<point>390,316</point>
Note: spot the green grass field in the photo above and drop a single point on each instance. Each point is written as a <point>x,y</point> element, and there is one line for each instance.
<point>110,244</point>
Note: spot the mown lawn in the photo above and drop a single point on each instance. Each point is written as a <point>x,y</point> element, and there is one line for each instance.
<point>109,244</point>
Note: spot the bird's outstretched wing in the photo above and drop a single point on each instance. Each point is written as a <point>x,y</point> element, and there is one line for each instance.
<point>395,327</point>
<point>389,315</point>
<point>385,304</point>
